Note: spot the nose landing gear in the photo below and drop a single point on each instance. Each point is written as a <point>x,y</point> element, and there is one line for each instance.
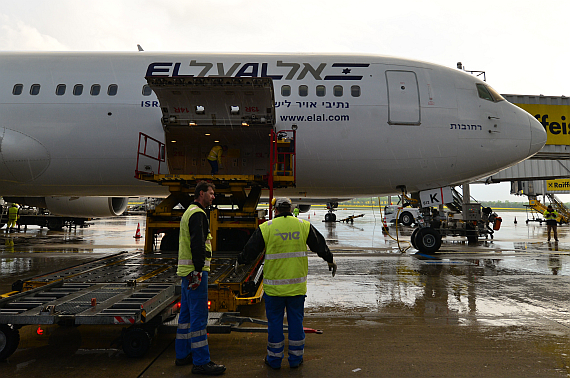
<point>331,216</point>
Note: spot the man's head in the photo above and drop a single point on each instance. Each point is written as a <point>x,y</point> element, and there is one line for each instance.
<point>204,193</point>
<point>282,205</point>
<point>550,208</point>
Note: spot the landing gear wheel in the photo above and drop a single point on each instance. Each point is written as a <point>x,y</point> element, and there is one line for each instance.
<point>428,240</point>
<point>406,218</point>
<point>9,340</point>
<point>413,238</point>
<point>55,225</point>
<point>330,217</point>
<point>136,342</point>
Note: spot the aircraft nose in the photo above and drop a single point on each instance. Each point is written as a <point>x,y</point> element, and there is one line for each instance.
<point>537,136</point>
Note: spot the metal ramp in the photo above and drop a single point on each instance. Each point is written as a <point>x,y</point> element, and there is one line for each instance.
<point>563,213</point>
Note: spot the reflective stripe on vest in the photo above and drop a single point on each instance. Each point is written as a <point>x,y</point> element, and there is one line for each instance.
<point>288,281</point>
<point>552,215</point>
<point>286,262</point>
<point>185,263</point>
<point>190,262</point>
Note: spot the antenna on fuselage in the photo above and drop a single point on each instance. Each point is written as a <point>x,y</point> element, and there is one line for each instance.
<point>460,66</point>
<point>140,48</point>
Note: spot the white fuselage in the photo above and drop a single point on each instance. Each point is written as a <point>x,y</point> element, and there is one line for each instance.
<point>412,123</point>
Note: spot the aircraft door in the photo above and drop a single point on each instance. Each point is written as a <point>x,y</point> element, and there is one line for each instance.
<point>403,98</point>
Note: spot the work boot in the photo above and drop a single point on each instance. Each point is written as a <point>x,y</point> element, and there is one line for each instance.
<point>272,367</point>
<point>297,365</point>
<point>208,369</point>
<point>184,361</point>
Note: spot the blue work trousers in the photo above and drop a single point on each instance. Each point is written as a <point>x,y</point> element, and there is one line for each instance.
<point>274,309</point>
<point>191,336</point>
<point>214,165</point>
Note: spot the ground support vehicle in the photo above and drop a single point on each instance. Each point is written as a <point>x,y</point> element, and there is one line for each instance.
<point>404,215</point>
<point>31,216</point>
<point>474,222</point>
<point>199,113</point>
<point>133,290</point>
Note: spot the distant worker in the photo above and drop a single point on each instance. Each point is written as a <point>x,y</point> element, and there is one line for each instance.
<point>296,211</point>
<point>194,257</point>
<point>285,241</point>
<point>13,216</point>
<point>551,224</point>
<point>215,158</point>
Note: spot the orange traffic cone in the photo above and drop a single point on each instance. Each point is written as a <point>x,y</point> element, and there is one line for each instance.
<point>309,216</point>
<point>138,233</point>
<point>385,229</point>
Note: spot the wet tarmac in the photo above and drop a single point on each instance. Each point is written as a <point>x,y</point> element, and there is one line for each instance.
<point>500,308</point>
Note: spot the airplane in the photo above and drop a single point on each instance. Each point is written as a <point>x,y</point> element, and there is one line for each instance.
<point>368,125</point>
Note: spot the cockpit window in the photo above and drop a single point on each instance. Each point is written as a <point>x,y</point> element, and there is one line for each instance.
<point>488,93</point>
<point>484,93</point>
<point>495,94</point>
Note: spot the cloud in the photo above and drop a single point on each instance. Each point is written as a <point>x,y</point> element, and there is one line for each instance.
<point>17,35</point>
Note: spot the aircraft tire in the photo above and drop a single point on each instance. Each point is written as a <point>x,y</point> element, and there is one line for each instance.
<point>136,342</point>
<point>406,218</point>
<point>413,238</point>
<point>55,225</point>
<point>9,340</point>
<point>428,240</point>
<point>330,217</point>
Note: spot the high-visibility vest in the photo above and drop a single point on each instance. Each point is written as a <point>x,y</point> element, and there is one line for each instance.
<point>12,212</point>
<point>185,264</point>
<point>550,215</point>
<point>286,263</point>
<point>215,153</point>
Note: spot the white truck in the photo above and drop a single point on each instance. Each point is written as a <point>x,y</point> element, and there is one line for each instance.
<point>406,215</point>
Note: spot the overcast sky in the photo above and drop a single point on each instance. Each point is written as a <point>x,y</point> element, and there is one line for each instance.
<point>522,45</point>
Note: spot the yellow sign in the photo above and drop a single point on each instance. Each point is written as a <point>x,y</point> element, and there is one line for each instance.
<point>560,185</point>
<point>553,118</point>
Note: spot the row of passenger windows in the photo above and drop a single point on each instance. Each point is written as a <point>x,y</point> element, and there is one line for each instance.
<point>321,90</point>
<point>60,90</point>
<point>112,90</point>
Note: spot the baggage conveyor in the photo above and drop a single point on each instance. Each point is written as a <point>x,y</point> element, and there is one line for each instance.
<point>138,291</point>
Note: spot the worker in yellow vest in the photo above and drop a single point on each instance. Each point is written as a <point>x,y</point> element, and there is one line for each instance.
<point>194,257</point>
<point>551,224</point>
<point>215,157</point>
<point>285,239</point>
<point>12,216</point>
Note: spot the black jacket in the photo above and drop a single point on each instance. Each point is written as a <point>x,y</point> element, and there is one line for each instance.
<point>256,245</point>
<point>199,229</point>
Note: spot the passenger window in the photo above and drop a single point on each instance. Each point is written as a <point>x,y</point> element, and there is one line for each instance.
<point>35,89</point>
<point>355,91</point>
<point>321,90</point>
<point>146,90</point>
<point>60,90</point>
<point>78,90</point>
<point>303,90</point>
<point>484,93</point>
<point>337,90</point>
<point>17,90</point>
<point>95,90</point>
<point>112,90</point>
<point>285,90</point>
